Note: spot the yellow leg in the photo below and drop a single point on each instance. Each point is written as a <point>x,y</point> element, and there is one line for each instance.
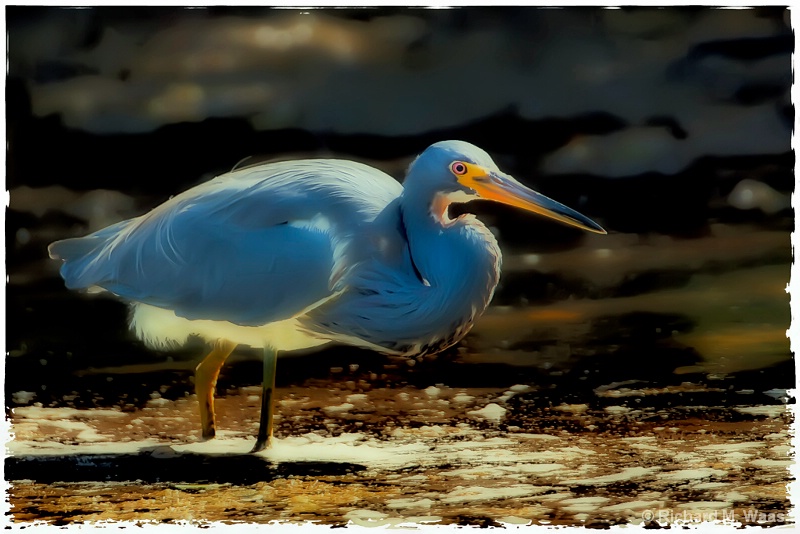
<point>205,382</point>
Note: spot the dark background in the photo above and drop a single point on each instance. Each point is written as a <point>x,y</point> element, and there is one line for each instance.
<point>661,124</point>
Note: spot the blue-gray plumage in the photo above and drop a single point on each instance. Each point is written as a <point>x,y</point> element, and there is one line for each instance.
<point>296,254</point>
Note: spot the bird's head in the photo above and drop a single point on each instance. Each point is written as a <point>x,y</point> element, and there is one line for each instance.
<point>457,171</point>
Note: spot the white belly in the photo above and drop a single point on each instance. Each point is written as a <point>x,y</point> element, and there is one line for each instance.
<point>159,328</point>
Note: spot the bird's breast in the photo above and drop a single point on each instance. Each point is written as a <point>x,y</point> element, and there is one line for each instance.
<point>161,328</point>
<point>439,342</point>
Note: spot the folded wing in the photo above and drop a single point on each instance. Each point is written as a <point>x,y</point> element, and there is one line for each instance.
<point>253,246</point>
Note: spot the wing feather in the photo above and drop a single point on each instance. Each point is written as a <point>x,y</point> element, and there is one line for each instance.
<point>253,246</point>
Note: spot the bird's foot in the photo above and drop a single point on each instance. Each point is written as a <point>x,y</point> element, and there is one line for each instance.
<point>208,433</point>
<point>261,444</point>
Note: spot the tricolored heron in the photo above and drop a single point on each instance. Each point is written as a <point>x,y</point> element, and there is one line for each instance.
<point>297,254</point>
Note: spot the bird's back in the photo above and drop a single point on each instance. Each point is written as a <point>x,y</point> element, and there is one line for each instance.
<point>253,246</point>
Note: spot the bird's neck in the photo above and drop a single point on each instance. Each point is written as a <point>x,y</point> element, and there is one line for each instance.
<point>459,261</point>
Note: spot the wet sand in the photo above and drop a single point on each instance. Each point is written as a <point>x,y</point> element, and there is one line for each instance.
<point>380,456</point>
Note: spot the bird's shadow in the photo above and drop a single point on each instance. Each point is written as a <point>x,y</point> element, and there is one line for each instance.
<point>161,464</point>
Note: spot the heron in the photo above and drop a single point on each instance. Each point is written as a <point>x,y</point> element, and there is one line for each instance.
<point>293,255</point>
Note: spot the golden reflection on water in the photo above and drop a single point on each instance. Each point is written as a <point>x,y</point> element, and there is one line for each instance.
<point>739,318</point>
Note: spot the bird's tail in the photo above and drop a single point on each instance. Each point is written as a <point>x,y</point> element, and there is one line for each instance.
<point>79,255</point>
<point>69,249</point>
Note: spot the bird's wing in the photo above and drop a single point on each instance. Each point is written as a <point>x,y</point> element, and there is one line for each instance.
<point>253,246</point>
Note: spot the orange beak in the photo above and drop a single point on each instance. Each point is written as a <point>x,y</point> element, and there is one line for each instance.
<point>493,185</point>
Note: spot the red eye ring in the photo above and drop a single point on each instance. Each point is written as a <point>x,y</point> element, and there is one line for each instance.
<point>458,168</point>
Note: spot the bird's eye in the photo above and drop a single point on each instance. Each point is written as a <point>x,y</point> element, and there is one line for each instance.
<point>458,168</point>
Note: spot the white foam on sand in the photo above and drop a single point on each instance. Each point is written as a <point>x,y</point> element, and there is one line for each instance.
<point>54,448</point>
<point>783,463</point>
<point>409,503</point>
<point>730,447</point>
<point>348,448</point>
<point>691,474</point>
<point>372,518</point>
<point>492,412</point>
<point>705,505</point>
<point>774,410</point>
<point>428,446</point>
<point>50,414</point>
<point>491,470</point>
<point>538,469</point>
<point>344,407</point>
<point>632,505</point>
<point>463,494</point>
<point>645,448</point>
<point>583,504</point>
<point>369,452</point>
<point>629,473</point>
